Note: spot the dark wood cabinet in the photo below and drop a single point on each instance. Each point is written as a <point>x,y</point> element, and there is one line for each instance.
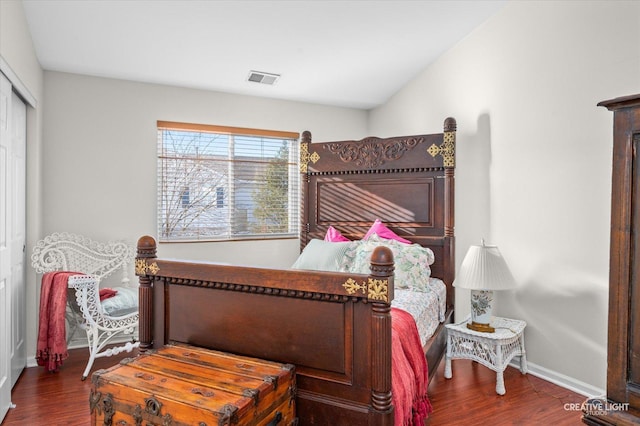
<point>622,405</point>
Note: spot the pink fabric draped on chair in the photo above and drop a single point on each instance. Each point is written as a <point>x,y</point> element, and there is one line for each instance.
<point>52,334</point>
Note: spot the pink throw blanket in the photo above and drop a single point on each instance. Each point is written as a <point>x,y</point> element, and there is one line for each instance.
<point>410,374</point>
<point>52,333</point>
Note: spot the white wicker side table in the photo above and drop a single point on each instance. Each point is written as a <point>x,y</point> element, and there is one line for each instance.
<point>493,350</point>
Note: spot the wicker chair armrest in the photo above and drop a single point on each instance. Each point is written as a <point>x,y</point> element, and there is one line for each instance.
<point>83,281</point>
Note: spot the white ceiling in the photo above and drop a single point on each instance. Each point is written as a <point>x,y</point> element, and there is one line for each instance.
<point>343,53</point>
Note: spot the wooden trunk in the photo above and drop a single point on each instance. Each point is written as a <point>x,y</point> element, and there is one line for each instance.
<point>185,385</point>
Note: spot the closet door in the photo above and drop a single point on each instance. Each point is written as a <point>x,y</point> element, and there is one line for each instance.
<point>17,237</point>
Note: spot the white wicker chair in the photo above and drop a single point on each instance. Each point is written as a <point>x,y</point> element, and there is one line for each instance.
<point>69,252</point>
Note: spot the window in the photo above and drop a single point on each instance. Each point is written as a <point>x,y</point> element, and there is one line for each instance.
<point>223,183</point>
<point>185,197</point>
<point>220,197</point>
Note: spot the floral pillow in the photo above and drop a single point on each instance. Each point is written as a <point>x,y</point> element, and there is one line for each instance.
<point>411,261</point>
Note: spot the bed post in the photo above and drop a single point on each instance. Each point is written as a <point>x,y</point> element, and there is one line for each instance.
<point>380,294</point>
<point>450,127</point>
<point>305,140</point>
<point>144,263</point>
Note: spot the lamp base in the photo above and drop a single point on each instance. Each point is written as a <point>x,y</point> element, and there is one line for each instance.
<point>481,308</point>
<point>482,328</point>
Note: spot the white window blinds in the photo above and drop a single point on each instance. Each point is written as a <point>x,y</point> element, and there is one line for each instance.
<point>223,183</point>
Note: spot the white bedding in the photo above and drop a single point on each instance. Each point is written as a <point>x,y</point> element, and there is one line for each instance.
<point>425,298</point>
<point>427,308</point>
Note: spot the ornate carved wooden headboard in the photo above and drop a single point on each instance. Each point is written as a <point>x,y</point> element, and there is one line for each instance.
<point>407,182</point>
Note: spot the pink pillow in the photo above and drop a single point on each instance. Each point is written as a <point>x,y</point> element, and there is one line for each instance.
<point>106,293</point>
<point>334,236</point>
<point>382,231</point>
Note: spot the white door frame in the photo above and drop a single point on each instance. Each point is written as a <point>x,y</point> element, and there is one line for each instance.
<point>5,251</point>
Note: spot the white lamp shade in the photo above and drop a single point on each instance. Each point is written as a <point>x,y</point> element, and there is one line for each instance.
<point>484,268</point>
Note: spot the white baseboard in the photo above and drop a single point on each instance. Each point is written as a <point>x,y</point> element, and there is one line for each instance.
<point>559,379</point>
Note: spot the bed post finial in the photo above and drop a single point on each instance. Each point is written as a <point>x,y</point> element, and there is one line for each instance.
<point>146,253</point>
<point>146,247</point>
<point>306,137</point>
<point>450,124</point>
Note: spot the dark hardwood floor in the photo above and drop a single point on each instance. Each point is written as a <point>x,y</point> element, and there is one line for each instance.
<point>468,398</point>
<point>44,398</point>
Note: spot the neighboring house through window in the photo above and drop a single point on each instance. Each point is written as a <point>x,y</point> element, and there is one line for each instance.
<point>220,197</point>
<point>185,198</point>
<point>222,183</point>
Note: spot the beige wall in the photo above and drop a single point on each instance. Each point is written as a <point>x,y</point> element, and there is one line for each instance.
<point>534,162</point>
<point>16,46</point>
<point>100,146</point>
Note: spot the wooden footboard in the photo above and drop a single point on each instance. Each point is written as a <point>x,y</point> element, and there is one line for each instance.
<point>335,327</point>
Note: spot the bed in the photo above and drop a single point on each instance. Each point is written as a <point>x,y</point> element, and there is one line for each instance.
<point>334,326</point>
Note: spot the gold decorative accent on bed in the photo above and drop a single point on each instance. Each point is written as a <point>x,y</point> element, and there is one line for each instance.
<point>142,267</point>
<point>305,157</point>
<point>352,286</point>
<point>378,290</point>
<point>447,150</point>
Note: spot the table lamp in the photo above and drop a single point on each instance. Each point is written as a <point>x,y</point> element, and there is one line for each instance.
<point>483,270</point>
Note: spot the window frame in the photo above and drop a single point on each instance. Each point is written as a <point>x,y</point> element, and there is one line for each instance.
<point>293,204</point>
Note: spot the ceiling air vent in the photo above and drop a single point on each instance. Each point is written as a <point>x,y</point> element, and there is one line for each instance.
<point>263,77</point>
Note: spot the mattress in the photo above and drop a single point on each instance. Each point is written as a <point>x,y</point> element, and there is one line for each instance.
<point>426,307</point>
